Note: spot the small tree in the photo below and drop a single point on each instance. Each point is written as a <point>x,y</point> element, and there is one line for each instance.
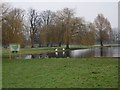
<point>103,28</point>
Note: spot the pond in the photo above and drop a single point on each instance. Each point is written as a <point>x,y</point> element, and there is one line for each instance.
<point>79,53</point>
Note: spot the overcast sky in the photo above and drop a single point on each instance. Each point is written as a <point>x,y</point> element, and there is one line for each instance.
<point>88,10</point>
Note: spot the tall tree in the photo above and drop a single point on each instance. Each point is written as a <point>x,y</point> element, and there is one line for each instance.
<point>77,28</point>
<point>47,18</point>
<point>88,34</point>
<point>12,25</point>
<point>0,23</point>
<point>4,9</point>
<point>103,28</point>
<point>34,21</point>
<point>68,14</point>
<point>60,27</point>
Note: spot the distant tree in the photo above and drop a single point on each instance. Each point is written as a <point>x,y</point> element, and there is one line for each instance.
<point>4,9</point>
<point>26,33</point>
<point>115,36</point>
<point>0,23</point>
<point>103,28</point>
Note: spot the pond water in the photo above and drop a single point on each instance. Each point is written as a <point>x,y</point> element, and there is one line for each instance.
<point>93,52</point>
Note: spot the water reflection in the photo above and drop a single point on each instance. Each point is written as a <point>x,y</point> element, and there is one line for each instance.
<point>82,53</point>
<point>94,52</point>
<point>107,52</point>
<point>101,51</point>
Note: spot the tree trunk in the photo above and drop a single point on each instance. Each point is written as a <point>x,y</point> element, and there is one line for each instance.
<point>101,42</point>
<point>60,44</point>
<point>47,44</point>
<point>39,44</point>
<point>67,46</point>
<point>32,43</point>
<point>101,51</point>
<point>51,45</point>
<point>32,46</point>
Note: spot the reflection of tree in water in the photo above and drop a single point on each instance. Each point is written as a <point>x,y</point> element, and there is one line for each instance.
<point>33,56</point>
<point>67,53</point>
<point>101,51</point>
<point>104,51</point>
<point>89,53</point>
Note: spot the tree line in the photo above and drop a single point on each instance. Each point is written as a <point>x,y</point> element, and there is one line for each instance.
<point>49,28</point>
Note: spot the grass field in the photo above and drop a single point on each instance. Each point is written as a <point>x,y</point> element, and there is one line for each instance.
<point>58,73</point>
<point>61,73</point>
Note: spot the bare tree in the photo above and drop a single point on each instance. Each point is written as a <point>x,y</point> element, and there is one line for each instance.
<point>60,26</point>
<point>12,25</point>
<point>0,23</point>
<point>103,28</point>
<point>88,34</point>
<point>5,8</point>
<point>68,14</point>
<point>34,21</point>
<point>47,18</point>
<point>77,29</point>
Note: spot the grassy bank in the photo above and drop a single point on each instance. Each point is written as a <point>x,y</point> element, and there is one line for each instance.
<point>61,73</point>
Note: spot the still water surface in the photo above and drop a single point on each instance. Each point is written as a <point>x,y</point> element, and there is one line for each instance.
<point>93,52</point>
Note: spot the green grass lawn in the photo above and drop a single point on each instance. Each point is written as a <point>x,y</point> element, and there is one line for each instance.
<point>58,73</point>
<point>61,73</point>
<point>30,50</point>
